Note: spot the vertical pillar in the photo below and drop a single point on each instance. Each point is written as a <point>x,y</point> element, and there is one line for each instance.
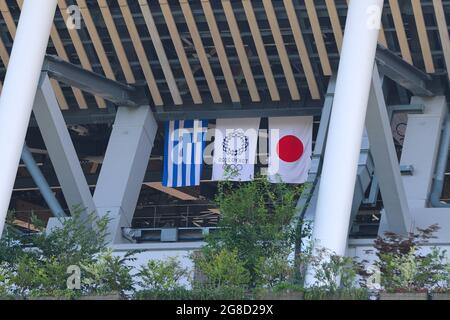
<point>21,82</point>
<point>421,148</point>
<point>124,167</point>
<point>346,125</point>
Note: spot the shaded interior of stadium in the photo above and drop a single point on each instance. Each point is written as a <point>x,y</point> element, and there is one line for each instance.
<point>292,76</point>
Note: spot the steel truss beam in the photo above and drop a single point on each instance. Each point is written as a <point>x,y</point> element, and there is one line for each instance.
<point>114,91</point>
<point>85,116</point>
<point>231,110</point>
<point>395,68</point>
<point>403,73</point>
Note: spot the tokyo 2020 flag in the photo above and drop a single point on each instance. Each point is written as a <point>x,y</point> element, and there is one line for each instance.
<point>235,143</point>
<point>290,149</point>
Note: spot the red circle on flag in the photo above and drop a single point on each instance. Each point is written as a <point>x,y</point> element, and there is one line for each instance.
<point>290,148</point>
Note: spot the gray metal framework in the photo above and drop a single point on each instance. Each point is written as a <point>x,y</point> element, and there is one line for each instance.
<point>413,79</point>
<point>139,20</point>
<point>113,91</point>
<point>395,68</point>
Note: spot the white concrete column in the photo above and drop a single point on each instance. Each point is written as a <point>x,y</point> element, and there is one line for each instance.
<point>21,81</point>
<point>346,125</point>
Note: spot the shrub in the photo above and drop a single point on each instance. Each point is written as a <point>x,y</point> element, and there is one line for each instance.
<point>222,269</point>
<point>41,278</point>
<point>339,294</point>
<point>109,274</point>
<point>273,270</point>
<point>5,282</point>
<point>79,238</point>
<point>404,268</point>
<point>333,272</point>
<point>179,293</point>
<point>195,293</point>
<point>162,275</point>
<point>255,222</point>
<point>35,265</point>
<point>219,293</point>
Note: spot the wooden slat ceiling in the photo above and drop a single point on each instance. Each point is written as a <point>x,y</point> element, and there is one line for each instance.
<point>214,51</point>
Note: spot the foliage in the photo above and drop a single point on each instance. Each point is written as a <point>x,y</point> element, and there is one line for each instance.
<point>280,291</point>
<point>405,268</point>
<point>5,282</point>
<point>42,277</point>
<point>273,270</point>
<point>434,270</point>
<point>287,286</point>
<point>219,293</point>
<point>255,223</point>
<point>79,238</point>
<point>162,275</point>
<point>222,269</point>
<point>195,293</point>
<point>332,272</point>
<point>177,293</point>
<point>339,294</point>
<point>36,265</point>
<point>109,274</point>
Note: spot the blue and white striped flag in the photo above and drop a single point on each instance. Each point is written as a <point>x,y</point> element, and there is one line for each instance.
<point>183,152</point>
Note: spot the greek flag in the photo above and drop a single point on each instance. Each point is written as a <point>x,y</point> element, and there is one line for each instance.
<point>183,152</point>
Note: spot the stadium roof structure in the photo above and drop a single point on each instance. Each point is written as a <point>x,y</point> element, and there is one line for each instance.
<point>209,59</point>
<point>195,55</point>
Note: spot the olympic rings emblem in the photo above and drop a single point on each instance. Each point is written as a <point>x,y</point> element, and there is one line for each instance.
<point>233,167</point>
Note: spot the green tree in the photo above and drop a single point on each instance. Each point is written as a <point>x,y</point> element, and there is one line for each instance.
<point>109,274</point>
<point>223,269</point>
<point>333,272</point>
<point>255,223</point>
<point>272,271</point>
<point>405,267</point>
<point>35,265</point>
<point>224,276</point>
<point>159,275</point>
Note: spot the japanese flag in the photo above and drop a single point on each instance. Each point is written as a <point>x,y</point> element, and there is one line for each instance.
<point>290,149</point>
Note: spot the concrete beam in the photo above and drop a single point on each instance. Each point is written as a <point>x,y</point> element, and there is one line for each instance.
<point>60,148</point>
<point>384,155</point>
<point>233,110</point>
<point>124,167</point>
